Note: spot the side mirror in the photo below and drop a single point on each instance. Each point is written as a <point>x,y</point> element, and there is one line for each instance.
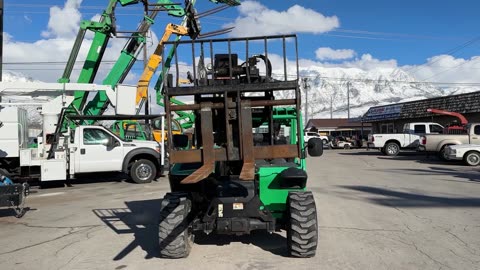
<point>180,140</point>
<point>109,142</point>
<point>315,147</point>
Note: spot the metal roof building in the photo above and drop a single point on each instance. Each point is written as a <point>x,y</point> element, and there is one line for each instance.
<point>391,118</point>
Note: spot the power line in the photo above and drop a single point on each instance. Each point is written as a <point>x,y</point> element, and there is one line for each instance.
<point>449,52</point>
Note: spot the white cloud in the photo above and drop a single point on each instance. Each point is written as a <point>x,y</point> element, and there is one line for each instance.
<point>327,53</point>
<point>256,19</point>
<point>64,21</point>
<point>446,68</point>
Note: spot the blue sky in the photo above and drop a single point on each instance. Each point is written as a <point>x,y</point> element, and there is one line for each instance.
<point>408,32</point>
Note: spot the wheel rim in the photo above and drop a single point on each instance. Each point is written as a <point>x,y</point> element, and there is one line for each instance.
<point>444,154</point>
<point>392,149</point>
<point>143,172</point>
<point>473,159</point>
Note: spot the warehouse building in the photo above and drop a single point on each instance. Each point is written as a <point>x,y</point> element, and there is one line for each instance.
<point>391,118</point>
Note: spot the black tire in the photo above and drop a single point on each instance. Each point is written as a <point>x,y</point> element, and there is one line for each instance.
<point>174,234</point>
<point>472,158</point>
<point>442,154</point>
<point>143,171</point>
<point>346,146</point>
<point>302,229</point>
<point>392,149</point>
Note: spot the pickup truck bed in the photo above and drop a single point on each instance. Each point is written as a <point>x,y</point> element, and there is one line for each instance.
<point>436,143</point>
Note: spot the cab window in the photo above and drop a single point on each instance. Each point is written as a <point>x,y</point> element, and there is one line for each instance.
<point>418,129</point>
<point>95,136</point>
<point>476,130</point>
<point>436,129</point>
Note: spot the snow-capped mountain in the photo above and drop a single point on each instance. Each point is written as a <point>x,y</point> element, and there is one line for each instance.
<point>327,88</point>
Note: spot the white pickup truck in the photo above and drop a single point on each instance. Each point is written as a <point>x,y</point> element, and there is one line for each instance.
<point>469,153</point>
<point>309,135</point>
<point>391,144</point>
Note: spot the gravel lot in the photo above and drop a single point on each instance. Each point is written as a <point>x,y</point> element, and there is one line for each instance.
<point>375,212</point>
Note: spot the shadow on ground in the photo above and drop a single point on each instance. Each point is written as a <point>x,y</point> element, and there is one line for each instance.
<point>142,218</point>
<point>274,243</point>
<point>392,198</point>
<point>418,157</point>
<point>472,176</point>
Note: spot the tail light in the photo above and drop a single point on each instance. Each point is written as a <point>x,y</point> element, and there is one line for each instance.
<point>423,140</point>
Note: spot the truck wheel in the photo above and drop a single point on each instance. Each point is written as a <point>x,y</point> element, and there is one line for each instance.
<point>324,141</point>
<point>346,146</point>
<point>175,235</point>
<point>302,229</point>
<point>443,154</point>
<point>143,171</point>
<point>392,149</point>
<point>472,158</point>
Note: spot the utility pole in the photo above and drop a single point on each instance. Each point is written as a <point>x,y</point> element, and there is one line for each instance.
<point>306,86</point>
<point>1,41</point>
<point>331,106</point>
<point>348,99</point>
<point>145,64</point>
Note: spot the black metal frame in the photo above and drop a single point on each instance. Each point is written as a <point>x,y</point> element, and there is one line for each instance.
<point>224,106</point>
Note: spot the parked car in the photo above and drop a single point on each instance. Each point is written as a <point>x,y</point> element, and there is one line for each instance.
<point>391,144</point>
<point>342,142</point>
<point>469,153</point>
<point>309,135</point>
<point>437,143</point>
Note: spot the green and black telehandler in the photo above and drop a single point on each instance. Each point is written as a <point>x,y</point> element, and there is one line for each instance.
<point>244,167</point>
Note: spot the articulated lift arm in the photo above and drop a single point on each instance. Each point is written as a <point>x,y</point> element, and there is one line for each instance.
<point>155,60</point>
<point>128,56</point>
<point>103,29</point>
<point>460,117</point>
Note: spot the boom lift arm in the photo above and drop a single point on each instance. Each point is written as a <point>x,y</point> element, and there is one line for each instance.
<point>128,56</point>
<point>463,120</point>
<point>156,59</point>
<point>103,29</point>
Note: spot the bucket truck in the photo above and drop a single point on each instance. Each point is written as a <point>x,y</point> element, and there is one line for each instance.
<point>84,149</point>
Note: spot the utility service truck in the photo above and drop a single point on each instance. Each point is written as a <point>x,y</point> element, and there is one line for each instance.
<point>83,149</point>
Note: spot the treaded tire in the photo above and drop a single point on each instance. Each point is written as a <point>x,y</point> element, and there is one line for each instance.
<point>442,154</point>
<point>472,158</point>
<point>143,171</point>
<point>302,229</point>
<point>392,149</point>
<point>174,234</point>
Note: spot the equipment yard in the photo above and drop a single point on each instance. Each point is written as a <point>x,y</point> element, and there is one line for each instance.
<point>374,212</point>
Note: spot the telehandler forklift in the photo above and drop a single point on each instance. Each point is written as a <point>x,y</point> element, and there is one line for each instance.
<point>226,178</point>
